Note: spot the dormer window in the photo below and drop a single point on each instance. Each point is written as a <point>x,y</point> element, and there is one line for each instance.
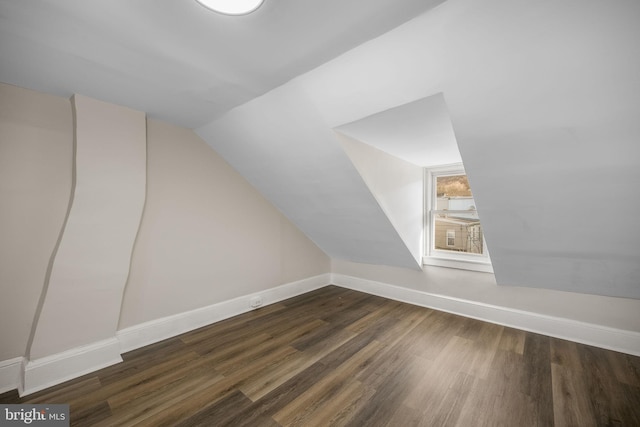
<point>454,235</point>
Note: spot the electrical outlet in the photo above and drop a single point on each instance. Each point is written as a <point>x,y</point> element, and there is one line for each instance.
<point>256,302</point>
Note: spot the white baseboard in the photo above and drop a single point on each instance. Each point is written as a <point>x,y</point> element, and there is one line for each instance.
<point>55,369</point>
<point>10,371</point>
<point>35,375</point>
<point>586,333</point>
<point>157,330</point>
<point>41,373</point>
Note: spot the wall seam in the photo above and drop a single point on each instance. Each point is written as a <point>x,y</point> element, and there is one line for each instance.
<point>54,253</point>
<point>142,212</point>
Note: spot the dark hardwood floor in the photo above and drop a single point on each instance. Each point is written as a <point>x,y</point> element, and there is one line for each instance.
<point>340,357</point>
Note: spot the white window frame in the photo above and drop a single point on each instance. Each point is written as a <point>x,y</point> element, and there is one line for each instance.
<point>443,258</point>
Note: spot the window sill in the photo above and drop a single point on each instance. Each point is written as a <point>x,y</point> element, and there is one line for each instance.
<point>481,266</point>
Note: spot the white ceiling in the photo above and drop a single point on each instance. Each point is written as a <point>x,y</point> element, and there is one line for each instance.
<point>544,98</point>
<point>176,60</point>
<point>419,132</point>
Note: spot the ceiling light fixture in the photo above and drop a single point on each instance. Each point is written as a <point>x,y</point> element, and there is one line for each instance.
<point>231,7</point>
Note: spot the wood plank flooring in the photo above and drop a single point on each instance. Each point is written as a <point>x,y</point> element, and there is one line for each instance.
<point>336,357</point>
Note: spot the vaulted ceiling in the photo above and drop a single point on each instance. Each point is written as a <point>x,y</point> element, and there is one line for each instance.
<point>176,60</point>
<point>543,99</point>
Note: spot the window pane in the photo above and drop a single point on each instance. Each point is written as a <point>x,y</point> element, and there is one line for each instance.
<point>453,186</point>
<point>453,193</point>
<point>458,233</point>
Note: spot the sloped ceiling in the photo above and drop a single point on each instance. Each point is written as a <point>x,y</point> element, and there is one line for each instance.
<point>544,102</point>
<point>281,146</point>
<point>176,60</point>
<point>419,132</point>
<point>543,97</point>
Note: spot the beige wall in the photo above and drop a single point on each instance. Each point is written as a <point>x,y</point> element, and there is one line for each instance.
<point>89,271</point>
<point>206,234</point>
<point>36,154</point>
